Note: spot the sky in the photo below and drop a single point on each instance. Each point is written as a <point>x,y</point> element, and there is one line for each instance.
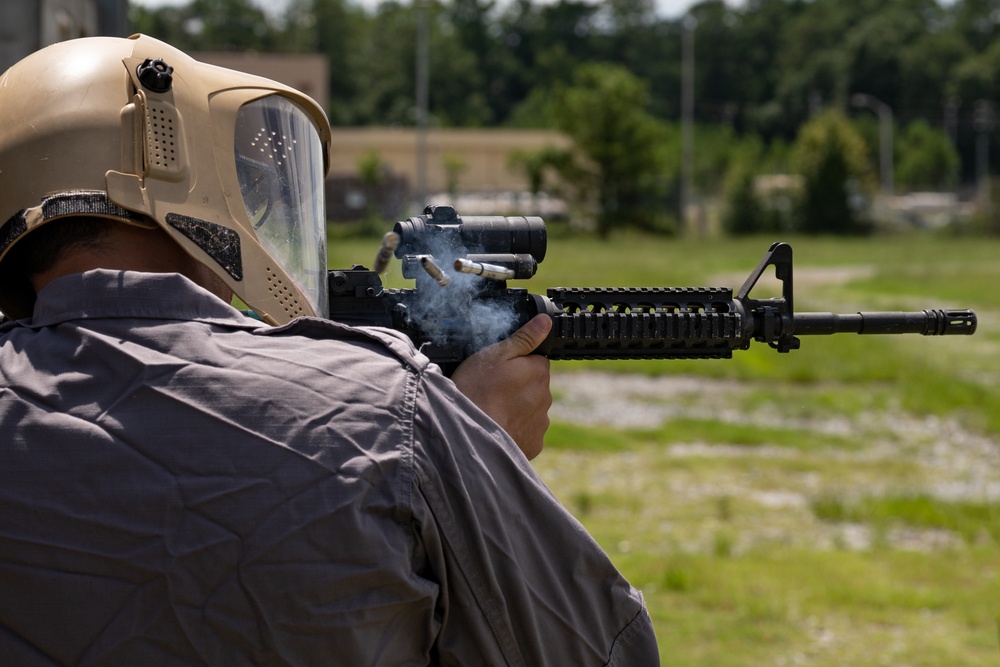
<point>665,8</point>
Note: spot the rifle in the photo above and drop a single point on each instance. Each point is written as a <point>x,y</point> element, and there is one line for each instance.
<point>461,302</point>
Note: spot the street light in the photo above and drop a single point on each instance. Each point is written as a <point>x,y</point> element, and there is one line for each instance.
<point>884,112</point>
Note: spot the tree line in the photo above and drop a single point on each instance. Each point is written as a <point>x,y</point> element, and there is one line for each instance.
<point>761,74</point>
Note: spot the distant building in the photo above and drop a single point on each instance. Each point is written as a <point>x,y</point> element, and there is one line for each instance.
<point>478,159</point>
<point>308,73</point>
<point>29,25</point>
<point>457,161</point>
<point>483,156</point>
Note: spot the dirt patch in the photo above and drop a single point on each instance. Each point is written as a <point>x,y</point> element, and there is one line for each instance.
<point>694,491</point>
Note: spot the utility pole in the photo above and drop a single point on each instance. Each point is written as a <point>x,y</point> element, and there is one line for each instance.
<point>688,24</point>
<point>422,94</point>
<point>983,122</point>
<point>951,107</point>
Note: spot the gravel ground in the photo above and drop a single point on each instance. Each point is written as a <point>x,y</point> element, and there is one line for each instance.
<point>692,492</point>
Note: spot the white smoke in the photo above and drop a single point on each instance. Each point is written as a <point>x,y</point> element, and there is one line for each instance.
<point>458,312</point>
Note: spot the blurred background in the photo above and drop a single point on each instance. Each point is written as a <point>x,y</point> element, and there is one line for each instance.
<point>740,117</point>
<point>835,506</point>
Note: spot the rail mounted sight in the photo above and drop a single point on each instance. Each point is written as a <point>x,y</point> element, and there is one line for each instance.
<point>461,302</point>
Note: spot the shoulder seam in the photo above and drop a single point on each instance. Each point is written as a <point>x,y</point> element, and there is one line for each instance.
<point>313,327</point>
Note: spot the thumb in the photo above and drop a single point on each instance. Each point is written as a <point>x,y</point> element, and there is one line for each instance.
<point>532,334</point>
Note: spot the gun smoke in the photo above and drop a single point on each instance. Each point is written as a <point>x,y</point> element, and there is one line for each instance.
<point>456,313</point>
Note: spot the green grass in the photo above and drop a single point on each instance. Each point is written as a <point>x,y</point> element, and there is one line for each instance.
<point>730,433</point>
<point>734,582</point>
<point>973,521</point>
<point>760,532</point>
<point>934,375</point>
<point>572,437</point>
<point>778,608</point>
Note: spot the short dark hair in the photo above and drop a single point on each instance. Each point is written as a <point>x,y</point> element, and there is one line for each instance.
<point>39,251</point>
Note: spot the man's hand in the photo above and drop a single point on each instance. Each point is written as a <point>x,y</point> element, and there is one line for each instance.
<point>511,385</point>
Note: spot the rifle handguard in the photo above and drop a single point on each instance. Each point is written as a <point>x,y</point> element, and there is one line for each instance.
<point>588,322</point>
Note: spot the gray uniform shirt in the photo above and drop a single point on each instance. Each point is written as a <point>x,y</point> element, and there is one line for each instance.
<point>182,485</point>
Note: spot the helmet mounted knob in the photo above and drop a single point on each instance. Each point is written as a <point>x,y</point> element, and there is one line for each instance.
<point>155,75</point>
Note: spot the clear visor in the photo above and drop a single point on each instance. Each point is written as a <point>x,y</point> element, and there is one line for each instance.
<point>279,164</point>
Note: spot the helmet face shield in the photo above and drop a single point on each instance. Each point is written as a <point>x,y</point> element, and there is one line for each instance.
<point>280,169</point>
<point>229,164</point>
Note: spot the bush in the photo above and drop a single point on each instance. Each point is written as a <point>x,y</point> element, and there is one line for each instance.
<point>743,212</point>
<point>833,160</point>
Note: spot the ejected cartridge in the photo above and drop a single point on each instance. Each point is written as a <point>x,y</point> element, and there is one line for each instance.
<point>491,271</point>
<point>389,244</point>
<point>434,271</point>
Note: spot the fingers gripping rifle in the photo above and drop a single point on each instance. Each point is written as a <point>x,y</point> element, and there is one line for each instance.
<point>461,302</point>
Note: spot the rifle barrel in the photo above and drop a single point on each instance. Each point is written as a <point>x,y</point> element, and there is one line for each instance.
<point>926,322</point>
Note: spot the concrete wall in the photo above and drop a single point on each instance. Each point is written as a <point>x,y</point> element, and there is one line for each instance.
<point>305,72</point>
<point>60,20</point>
<point>28,25</point>
<point>484,153</point>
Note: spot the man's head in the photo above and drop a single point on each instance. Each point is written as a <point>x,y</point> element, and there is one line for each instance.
<point>229,166</point>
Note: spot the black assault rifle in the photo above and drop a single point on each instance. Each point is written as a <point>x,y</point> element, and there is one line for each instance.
<point>461,301</point>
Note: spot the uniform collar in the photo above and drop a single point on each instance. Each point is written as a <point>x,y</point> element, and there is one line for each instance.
<point>101,293</point>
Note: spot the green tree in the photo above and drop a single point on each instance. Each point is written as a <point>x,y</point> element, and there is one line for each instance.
<point>975,77</point>
<point>454,166</point>
<point>927,64</point>
<point>629,33</point>
<point>338,29</point>
<point>833,160</point>
<point>372,172</point>
<point>535,166</point>
<point>927,158</point>
<point>875,48</point>
<point>755,46</point>
<point>210,25</point>
<point>743,211</point>
<point>977,21</point>
<point>618,160</point>
<point>232,25</point>
<point>813,63</point>
<point>764,67</point>
<point>476,27</point>
<point>551,40</point>
<point>386,82</point>
<point>166,23</point>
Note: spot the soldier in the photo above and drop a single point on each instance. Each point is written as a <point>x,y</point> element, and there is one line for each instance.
<point>184,484</point>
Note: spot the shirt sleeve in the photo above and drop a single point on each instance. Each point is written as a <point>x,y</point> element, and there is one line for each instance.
<point>522,583</point>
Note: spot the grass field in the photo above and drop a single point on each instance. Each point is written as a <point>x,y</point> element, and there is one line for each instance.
<point>837,505</point>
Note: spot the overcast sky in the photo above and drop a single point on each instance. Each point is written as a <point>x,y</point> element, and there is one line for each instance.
<point>665,8</point>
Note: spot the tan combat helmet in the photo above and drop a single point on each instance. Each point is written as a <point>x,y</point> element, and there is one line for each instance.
<point>231,165</point>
